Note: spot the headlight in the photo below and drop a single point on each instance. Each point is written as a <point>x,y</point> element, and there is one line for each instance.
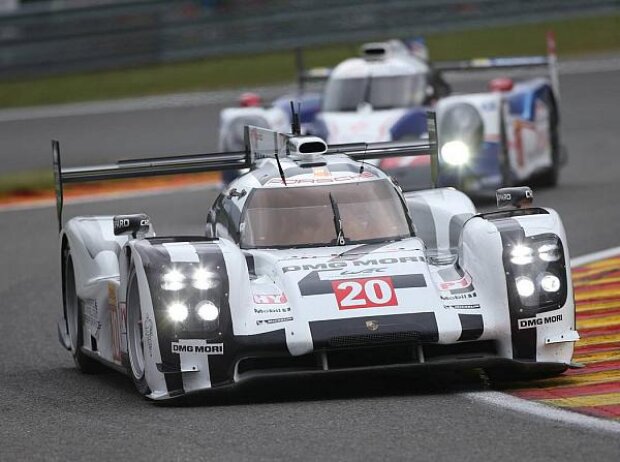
<point>178,312</point>
<point>173,280</point>
<point>455,153</point>
<point>550,283</point>
<point>525,286</point>
<point>549,252</point>
<point>521,255</point>
<point>207,311</point>
<point>202,279</point>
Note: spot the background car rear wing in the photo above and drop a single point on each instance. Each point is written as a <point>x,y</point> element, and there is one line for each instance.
<point>194,163</point>
<point>514,62</point>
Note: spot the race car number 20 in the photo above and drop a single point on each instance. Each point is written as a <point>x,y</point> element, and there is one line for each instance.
<point>364,293</point>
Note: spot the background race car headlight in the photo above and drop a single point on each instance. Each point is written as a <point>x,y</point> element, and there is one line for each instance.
<point>203,279</point>
<point>525,286</point>
<point>173,280</point>
<point>549,252</point>
<point>455,153</point>
<point>521,255</point>
<point>550,283</point>
<point>178,312</point>
<point>207,311</point>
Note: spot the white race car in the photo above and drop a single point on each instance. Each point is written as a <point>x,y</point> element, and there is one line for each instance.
<point>502,137</point>
<point>314,262</point>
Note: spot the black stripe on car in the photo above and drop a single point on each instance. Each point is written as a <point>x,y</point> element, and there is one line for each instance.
<point>523,340</point>
<point>312,284</point>
<point>472,327</point>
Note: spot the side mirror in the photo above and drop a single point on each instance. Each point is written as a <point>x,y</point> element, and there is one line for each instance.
<point>138,224</point>
<point>210,225</point>
<point>518,197</point>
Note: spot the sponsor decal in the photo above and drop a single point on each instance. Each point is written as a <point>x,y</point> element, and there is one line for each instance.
<point>270,299</point>
<point>316,180</point>
<point>116,321</point>
<point>206,349</point>
<point>365,293</point>
<point>458,296</point>
<point>529,323</point>
<point>284,309</point>
<point>273,321</point>
<point>461,283</point>
<point>148,335</point>
<point>331,265</point>
<point>91,316</point>
<point>464,307</point>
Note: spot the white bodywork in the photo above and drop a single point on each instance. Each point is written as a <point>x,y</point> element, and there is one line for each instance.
<point>450,277</point>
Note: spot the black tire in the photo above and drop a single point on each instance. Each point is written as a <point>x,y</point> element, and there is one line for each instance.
<point>73,318</point>
<point>135,336</point>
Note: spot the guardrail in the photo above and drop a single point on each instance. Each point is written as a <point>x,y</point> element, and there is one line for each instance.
<point>43,41</point>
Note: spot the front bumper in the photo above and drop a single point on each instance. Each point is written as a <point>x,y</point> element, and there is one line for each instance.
<point>411,357</point>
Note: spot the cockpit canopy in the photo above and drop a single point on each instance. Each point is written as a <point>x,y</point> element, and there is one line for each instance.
<point>390,83</point>
<point>306,216</point>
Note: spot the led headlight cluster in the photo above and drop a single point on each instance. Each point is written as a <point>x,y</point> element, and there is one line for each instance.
<point>190,286</point>
<point>455,153</point>
<point>523,254</point>
<point>199,278</point>
<point>537,268</point>
<point>205,311</point>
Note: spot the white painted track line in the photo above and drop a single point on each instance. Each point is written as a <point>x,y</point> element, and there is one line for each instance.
<point>555,414</point>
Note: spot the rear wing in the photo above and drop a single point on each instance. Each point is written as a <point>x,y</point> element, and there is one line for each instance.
<point>514,62</point>
<point>256,149</point>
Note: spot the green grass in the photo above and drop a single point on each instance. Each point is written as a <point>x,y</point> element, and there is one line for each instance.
<point>573,36</point>
<point>26,182</point>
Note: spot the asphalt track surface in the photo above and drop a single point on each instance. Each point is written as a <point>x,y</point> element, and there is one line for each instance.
<point>49,411</point>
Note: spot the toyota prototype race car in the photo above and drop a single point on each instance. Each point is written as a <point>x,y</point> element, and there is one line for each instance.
<point>503,137</point>
<point>314,262</point>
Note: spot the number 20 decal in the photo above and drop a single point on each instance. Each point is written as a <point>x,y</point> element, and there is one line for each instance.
<point>364,293</point>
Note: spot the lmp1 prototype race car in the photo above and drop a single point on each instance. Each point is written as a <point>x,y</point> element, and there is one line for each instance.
<point>314,262</point>
<point>502,137</point>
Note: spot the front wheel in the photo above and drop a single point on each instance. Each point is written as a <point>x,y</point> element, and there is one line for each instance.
<point>135,336</point>
<point>73,317</point>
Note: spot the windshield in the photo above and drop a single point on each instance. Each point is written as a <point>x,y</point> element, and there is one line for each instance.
<point>361,212</point>
<point>385,92</point>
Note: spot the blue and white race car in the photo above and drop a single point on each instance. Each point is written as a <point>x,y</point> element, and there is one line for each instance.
<point>502,137</point>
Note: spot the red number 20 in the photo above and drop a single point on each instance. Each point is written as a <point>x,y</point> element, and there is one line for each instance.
<point>365,293</point>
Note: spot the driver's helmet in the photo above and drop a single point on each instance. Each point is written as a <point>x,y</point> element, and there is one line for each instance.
<point>249,100</point>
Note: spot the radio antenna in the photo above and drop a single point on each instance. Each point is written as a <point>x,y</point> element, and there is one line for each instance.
<point>295,123</point>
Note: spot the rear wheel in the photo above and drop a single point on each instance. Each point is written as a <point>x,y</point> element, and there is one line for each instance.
<point>135,336</point>
<point>73,317</point>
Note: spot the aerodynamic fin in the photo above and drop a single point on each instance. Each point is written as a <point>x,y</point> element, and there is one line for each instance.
<point>57,181</point>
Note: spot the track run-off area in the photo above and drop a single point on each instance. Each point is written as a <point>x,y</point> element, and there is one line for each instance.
<point>593,388</point>
<point>49,411</point>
